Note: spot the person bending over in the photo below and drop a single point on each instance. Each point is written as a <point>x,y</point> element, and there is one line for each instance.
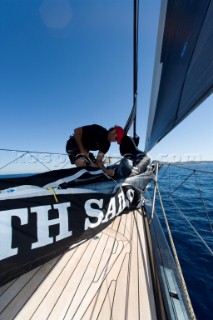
<point>92,138</point>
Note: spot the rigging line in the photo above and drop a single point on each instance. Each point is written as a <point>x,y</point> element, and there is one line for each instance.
<point>185,291</point>
<point>166,167</point>
<point>107,267</point>
<point>13,161</point>
<point>39,161</point>
<point>197,233</point>
<point>201,196</point>
<point>190,169</point>
<point>204,204</point>
<point>181,183</point>
<point>27,151</point>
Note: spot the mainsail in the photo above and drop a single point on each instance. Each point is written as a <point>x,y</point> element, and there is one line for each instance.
<point>183,72</point>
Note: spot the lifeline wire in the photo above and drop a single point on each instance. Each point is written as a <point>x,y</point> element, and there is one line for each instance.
<point>198,186</point>
<point>203,203</point>
<point>199,236</point>
<point>13,161</point>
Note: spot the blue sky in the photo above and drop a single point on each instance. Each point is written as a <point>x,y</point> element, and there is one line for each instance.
<point>68,63</point>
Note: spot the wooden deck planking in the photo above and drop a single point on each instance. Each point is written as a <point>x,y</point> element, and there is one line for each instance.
<point>65,286</point>
<point>133,298</point>
<point>107,277</point>
<point>51,286</point>
<point>144,273</point>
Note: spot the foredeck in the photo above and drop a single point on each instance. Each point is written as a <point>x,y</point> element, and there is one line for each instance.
<point>107,277</point>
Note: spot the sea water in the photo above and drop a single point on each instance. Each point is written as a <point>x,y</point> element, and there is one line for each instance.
<point>190,186</point>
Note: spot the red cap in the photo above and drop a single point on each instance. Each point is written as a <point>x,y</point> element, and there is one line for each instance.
<point>120,133</point>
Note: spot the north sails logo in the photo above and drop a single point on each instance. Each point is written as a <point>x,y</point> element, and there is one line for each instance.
<point>95,214</point>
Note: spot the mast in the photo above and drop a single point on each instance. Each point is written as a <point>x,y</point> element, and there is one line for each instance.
<point>132,117</point>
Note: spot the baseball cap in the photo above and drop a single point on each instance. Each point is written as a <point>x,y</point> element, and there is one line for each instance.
<point>120,133</point>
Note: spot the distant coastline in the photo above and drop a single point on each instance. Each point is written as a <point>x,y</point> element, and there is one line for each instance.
<point>195,162</point>
<point>187,162</point>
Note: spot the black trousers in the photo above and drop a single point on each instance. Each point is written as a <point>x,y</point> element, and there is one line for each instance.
<point>73,152</point>
<point>72,149</point>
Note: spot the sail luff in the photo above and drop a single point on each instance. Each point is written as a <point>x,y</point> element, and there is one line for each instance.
<point>157,70</point>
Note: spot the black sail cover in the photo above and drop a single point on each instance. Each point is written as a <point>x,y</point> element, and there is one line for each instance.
<point>183,72</point>
<point>45,214</point>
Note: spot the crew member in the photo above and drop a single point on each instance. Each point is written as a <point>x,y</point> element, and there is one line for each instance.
<point>92,138</point>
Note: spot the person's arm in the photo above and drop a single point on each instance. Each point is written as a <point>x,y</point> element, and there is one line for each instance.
<point>78,132</point>
<point>99,162</point>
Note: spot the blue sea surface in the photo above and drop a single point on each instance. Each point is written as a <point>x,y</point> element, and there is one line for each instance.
<point>190,187</point>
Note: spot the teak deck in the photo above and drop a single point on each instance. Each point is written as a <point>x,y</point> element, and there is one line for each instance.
<point>107,277</point>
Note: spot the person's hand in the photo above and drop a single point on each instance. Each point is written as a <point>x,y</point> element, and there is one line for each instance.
<point>84,152</point>
<point>80,162</point>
